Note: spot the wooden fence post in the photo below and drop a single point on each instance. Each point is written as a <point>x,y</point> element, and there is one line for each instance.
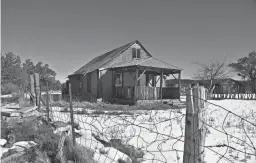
<point>37,80</point>
<point>32,90</point>
<point>39,102</point>
<point>72,115</point>
<point>179,84</point>
<point>47,102</point>
<point>195,131</point>
<point>161,85</point>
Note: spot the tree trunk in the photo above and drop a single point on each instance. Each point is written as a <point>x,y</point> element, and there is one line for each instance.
<point>211,87</point>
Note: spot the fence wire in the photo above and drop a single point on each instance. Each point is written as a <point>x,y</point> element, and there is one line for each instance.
<point>125,136</point>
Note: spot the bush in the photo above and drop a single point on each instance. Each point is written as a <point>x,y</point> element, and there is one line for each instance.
<point>80,153</point>
<point>30,155</point>
<point>47,141</point>
<point>37,130</point>
<point>33,129</point>
<point>24,131</point>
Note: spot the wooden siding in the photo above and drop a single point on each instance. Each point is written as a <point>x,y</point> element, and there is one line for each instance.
<point>124,92</point>
<point>74,80</point>
<point>126,56</point>
<point>94,83</point>
<point>106,85</point>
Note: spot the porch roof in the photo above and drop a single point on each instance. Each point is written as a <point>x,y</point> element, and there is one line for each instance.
<point>149,63</point>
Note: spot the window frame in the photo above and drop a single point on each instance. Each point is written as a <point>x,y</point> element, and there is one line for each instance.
<point>121,79</point>
<point>137,53</point>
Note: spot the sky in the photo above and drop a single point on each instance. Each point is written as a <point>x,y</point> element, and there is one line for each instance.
<point>66,34</point>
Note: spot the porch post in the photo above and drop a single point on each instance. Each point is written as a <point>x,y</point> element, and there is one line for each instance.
<point>161,85</point>
<point>179,85</point>
<point>136,83</point>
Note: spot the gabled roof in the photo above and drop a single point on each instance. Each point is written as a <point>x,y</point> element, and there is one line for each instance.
<point>103,59</point>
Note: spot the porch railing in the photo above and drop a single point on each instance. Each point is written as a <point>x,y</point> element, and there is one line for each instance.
<point>146,93</point>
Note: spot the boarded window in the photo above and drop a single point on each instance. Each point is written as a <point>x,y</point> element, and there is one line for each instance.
<point>135,53</point>
<point>119,80</point>
<point>89,82</point>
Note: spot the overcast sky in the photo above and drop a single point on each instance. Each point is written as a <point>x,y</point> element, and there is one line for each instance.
<point>66,34</point>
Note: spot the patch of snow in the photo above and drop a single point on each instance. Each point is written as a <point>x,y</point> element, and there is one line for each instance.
<point>160,133</point>
<point>3,150</point>
<point>3,142</point>
<point>6,96</point>
<point>15,114</point>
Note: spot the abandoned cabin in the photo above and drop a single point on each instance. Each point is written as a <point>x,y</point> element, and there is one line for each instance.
<point>124,75</point>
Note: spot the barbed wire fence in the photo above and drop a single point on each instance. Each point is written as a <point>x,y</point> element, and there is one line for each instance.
<point>134,136</point>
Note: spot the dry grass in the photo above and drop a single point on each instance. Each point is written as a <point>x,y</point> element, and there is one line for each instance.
<point>111,107</point>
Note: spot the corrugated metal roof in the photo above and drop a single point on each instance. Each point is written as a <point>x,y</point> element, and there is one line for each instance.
<point>150,62</point>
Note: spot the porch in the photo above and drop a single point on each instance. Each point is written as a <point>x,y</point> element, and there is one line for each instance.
<point>144,80</point>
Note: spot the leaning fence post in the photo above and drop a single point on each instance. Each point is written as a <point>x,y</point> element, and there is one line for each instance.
<point>194,130</point>
<point>71,115</point>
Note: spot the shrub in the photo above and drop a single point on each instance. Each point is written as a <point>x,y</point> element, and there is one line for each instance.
<point>35,129</point>
<point>25,130</point>
<point>31,129</point>
<point>77,153</point>
<point>46,140</point>
<point>30,155</point>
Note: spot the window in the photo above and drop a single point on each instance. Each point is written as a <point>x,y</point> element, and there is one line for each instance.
<point>118,80</point>
<point>89,82</point>
<point>135,53</point>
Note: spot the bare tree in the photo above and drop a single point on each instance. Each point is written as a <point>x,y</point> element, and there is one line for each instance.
<point>212,72</point>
